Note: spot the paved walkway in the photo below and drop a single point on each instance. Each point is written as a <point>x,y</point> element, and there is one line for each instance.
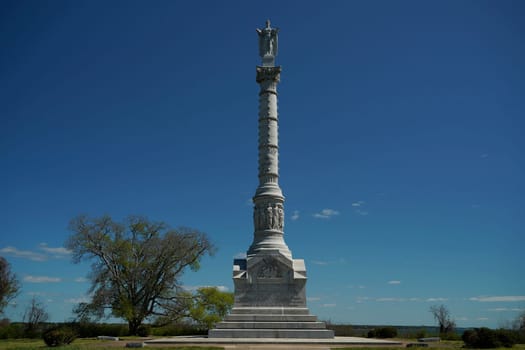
<point>272,343</point>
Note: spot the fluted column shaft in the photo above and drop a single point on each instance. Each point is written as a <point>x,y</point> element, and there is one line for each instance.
<point>268,200</point>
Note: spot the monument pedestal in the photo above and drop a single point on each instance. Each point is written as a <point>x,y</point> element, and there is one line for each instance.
<point>270,301</point>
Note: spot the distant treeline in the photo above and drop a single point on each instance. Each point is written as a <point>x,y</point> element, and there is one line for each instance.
<point>16,330</point>
<point>384,331</point>
<point>475,336</point>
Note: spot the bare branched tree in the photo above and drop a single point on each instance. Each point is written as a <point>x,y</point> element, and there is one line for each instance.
<point>442,316</point>
<point>34,316</point>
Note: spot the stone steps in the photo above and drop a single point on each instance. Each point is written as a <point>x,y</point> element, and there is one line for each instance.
<point>271,325</point>
<point>270,318</point>
<point>270,311</point>
<point>271,322</point>
<point>272,333</point>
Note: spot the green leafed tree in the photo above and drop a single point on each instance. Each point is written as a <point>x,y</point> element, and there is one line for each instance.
<point>136,266</point>
<point>209,305</point>
<point>9,285</point>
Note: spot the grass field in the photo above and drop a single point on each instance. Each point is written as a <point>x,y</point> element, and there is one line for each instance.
<point>94,344</point>
<point>87,344</point>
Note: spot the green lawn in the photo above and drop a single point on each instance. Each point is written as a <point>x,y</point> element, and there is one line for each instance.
<point>94,344</point>
<point>443,345</point>
<point>88,344</point>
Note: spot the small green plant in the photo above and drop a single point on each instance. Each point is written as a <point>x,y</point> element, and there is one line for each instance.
<point>59,336</point>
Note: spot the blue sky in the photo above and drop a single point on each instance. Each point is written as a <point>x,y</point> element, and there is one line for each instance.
<point>401,135</point>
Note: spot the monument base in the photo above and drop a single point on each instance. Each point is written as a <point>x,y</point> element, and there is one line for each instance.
<point>270,300</point>
<point>271,322</point>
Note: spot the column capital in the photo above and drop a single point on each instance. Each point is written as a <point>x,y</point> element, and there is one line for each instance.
<point>268,73</point>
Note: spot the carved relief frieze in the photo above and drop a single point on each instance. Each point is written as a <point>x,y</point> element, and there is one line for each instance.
<point>268,216</point>
<point>270,269</point>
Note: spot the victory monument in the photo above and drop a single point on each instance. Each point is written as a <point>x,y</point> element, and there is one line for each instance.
<point>270,299</point>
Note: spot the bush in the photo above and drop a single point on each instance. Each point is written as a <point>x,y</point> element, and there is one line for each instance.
<point>11,330</point>
<point>383,332</point>
<point>144,330</point>
<point>91,330</point>
<point>485,338</point>
<point>178,329</point>
<point>340,330</point>
<point>59,336</point>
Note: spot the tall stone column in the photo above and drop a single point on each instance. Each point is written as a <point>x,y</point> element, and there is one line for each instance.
<point>270,296</point>
<point>268,211</point>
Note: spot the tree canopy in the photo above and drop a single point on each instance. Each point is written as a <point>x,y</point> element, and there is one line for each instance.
<point>209,305</point>
<point>9,285</point>
<point>136,265</point>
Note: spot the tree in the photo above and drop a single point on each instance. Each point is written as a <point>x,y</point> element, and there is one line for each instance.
<point>136,267</point>
<point>209,305</point>
<point>9,285</point>
<point>34,316</point>
<point>442,316</point>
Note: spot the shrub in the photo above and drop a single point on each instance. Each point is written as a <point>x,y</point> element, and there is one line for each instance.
<point>383,332</point>
<point>91,330</point>
<point>178,329</point>
<point>341,330</point>
<point>144,330</point>
<point>59,336</point>
<point>11,331</point>
<point>485,338</point>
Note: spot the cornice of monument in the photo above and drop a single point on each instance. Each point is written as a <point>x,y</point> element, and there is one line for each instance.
<point>268,73</point>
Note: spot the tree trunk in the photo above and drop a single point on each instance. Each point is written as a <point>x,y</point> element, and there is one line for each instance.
<point>133,326</point>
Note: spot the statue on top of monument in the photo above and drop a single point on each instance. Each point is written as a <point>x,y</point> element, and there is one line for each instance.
<point>268,44</point>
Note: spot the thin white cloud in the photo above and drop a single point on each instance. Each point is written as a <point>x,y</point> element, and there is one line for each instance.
<point>356,286</point>
<point>77,300</point>
<point>24,254</point>
<point>505,298</point>
<point>506,309</point>
<point>41,279</point>
<point>36,294</point>
<point>482,319</point>
<point>358,208</point>
<point>295,215</point>
<point>317,262</point>
<point>329,305</point>
<point>58,252</point>
<point>484,155</point>
<point>396,300</point>
<point>241,255</point>
<point>326,214</point>
<point>48,252</point>
<point>81,280</point>
<point>194,288</point>
<point>394,282</point>
<point>360,300</point>
<point>313,298</point>
<point>434,300</point>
